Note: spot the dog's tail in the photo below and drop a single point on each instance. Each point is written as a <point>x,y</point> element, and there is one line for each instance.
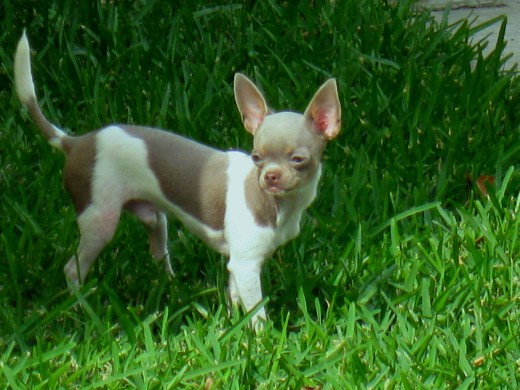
<point>25,90</point>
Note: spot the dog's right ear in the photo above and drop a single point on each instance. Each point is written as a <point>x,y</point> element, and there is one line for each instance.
<point>250,103</point>
<point>324,110</point>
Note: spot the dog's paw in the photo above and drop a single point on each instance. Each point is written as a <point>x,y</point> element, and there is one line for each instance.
<point>71,274</point>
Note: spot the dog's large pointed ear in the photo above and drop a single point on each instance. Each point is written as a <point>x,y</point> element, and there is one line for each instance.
<point>250,102</point>
<point>324,110</point>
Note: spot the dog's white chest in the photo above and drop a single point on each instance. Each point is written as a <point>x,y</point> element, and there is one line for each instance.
<point>242,231</point>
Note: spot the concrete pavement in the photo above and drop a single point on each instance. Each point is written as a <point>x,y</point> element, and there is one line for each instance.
<point>480,11</point>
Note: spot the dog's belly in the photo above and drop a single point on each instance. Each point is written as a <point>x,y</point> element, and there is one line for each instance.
<point>214,238</point>
<point>146,212</point>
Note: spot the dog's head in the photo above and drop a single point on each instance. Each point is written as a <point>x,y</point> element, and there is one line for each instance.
<point>287,145</point>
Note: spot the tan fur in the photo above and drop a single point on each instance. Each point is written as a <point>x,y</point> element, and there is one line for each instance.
<point>41,122</point>
<point>77,173</point>
<point>262,205</point>
<point>168,154</point>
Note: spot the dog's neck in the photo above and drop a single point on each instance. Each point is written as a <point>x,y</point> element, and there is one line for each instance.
<point>293,204</point>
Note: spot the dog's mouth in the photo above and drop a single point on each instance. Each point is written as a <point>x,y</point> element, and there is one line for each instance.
<point>278,189</point>
<point>275,190</point>
<point>277,183</point>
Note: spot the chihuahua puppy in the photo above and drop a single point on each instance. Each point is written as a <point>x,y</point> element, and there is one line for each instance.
<point>243,206</point>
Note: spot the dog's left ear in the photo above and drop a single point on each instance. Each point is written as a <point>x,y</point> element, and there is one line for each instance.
<point>250,102</point>
<point>324,110</point>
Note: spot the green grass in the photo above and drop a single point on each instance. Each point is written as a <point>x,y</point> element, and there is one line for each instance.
<point>404,275</point>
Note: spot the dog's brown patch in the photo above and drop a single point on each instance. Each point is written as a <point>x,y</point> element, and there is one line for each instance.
<point>191,175</point>
<point>262,205</point>
<point>79,166</point>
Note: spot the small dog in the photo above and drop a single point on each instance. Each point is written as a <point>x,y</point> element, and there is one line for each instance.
<point>244,206</point>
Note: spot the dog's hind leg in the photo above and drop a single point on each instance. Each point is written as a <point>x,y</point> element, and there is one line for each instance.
<point>97,228</point>
<point>156,225</point>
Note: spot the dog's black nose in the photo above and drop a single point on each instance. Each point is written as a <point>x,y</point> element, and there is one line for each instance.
<point>272,178</point>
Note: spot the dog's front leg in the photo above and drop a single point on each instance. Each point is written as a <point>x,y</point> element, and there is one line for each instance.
<point>245,286</point>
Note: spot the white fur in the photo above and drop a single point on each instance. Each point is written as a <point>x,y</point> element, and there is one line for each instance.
<point>55,141</point>
<point>24,84</point>
<point>249,244</point>
<point>245,238</point>
<point>22,71</point>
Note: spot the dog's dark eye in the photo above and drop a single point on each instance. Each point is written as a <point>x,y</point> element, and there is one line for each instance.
<point>256,158</point>
<point>298,160</point>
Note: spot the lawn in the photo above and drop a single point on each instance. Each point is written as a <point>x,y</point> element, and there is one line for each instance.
<point>406,273</point>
